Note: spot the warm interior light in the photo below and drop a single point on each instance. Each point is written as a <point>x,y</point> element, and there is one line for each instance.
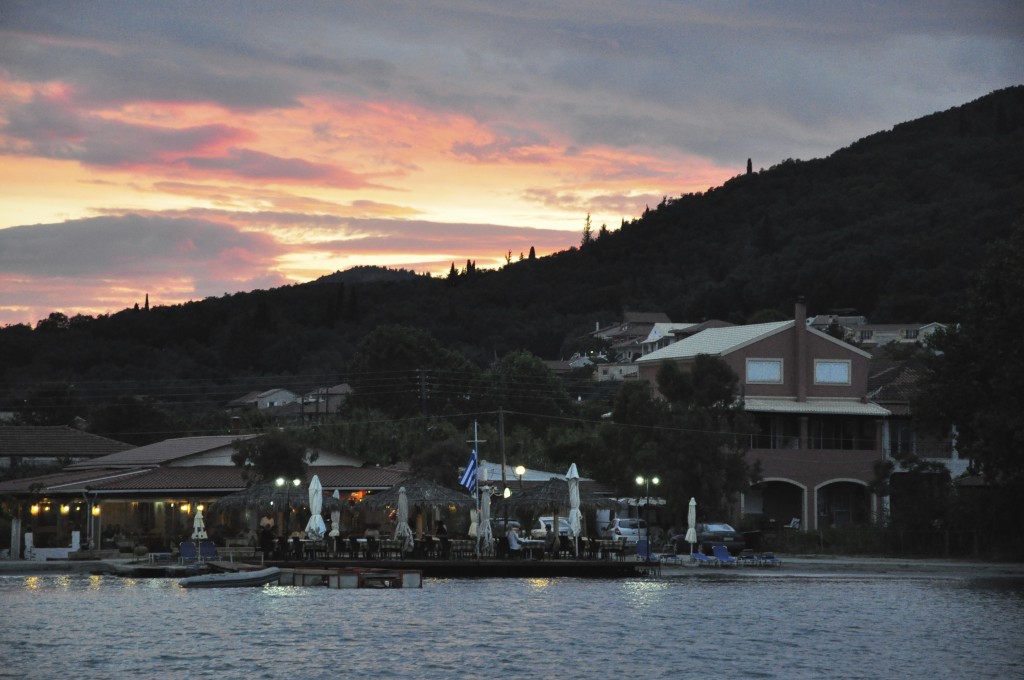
<point>34,509</point>
<point>202,507</point>
<point>95,511</point>
<point>65,509</point>
<point>186,508</point>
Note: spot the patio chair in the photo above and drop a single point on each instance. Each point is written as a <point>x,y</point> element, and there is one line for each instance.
<point>703,560</point>
<point>723,556</point>
<point>187,552</point>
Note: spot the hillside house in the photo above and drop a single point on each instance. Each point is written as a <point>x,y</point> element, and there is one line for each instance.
<point>264,400</point>
<point>819,435</point>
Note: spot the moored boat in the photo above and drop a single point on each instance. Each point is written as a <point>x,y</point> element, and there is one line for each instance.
<point>236,579</point>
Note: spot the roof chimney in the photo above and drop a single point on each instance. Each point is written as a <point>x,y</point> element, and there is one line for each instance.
<point>800,334</point>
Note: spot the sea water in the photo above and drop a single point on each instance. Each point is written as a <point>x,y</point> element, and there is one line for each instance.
<point>713,625</point>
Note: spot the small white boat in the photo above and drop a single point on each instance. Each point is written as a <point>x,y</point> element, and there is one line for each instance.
<point>235,579</point>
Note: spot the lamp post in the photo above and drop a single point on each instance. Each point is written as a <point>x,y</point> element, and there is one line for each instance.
<point>281,481</point>
<point>520,471</point>
<point>646,483</point>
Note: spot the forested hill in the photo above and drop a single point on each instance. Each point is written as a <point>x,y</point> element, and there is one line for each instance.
<point>891,226</point>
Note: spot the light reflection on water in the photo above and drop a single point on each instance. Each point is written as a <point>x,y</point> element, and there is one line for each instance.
<point>778,625</point>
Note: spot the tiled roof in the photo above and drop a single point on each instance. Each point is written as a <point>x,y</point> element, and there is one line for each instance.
<point>56,479</point>
<point>842,407</point>
<point>161,452</point>
<point>55,441</point>
<point>893,383</point>
<point>213,479</point>
<point>716,341</point>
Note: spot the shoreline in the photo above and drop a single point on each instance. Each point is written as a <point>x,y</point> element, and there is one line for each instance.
<point>791,565</point>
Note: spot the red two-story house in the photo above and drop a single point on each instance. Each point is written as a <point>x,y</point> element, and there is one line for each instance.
<point>819,437</point>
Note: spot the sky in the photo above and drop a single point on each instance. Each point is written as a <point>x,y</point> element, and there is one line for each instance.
<point>182,150</point>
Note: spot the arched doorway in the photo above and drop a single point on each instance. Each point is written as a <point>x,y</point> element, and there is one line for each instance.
<point>777,501</point>
<point>843,503</point>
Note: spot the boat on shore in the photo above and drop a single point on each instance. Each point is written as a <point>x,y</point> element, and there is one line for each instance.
<point>235,579</point>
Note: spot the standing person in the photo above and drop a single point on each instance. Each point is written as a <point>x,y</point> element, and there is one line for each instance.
<point>441,531</point>
<point>550,541</point>
<point>266,542</point>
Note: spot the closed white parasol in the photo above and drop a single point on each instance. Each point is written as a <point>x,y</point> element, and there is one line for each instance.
<point>336,519</point>
<point>315,527</point>
<point>485,540</point>
<point>403,532</point>
<point>336,515</point>
<point>575,516</point>
<point>691,524</point>
<point>198,527</point>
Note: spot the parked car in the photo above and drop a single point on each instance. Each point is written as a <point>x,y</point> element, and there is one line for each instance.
<point>540,528</point>
<point>626,527</point>
<point>719,533</point>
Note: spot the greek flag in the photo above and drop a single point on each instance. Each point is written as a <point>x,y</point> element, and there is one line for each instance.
<point>469,476</point>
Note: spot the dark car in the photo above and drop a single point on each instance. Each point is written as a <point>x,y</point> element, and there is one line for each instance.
<point>719,533</point>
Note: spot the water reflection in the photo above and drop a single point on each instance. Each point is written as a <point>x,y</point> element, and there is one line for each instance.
<point>779,626</point>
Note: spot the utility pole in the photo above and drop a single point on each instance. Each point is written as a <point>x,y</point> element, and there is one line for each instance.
<point>504,476</point>
<point>501,445</point>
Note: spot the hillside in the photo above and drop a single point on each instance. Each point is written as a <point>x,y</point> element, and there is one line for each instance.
<point>891,226</point>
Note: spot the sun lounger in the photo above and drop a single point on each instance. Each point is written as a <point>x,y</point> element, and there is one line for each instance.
<point>747,558</point>
<point>723,556</point>
<point>770,560</point>
<point>703,560</point>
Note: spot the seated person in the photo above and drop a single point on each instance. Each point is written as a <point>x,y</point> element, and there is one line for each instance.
<point>513,542</point>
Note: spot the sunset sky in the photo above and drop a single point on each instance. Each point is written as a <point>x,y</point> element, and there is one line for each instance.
<point>189,149</point>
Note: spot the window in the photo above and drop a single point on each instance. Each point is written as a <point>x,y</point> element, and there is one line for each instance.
<point>866,335</point>
<point>764,371</point>
<point>832,372</point>
<point>910,334</point>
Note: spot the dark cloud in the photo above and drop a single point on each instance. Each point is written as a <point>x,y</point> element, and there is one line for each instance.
<point>135,245</point>
<point>53,128</point>
<point>257,165</point>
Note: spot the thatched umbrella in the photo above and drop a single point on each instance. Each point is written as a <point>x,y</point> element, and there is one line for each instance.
<point>420,493</point>
<point>551,496</point>
<point>268,495</point>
